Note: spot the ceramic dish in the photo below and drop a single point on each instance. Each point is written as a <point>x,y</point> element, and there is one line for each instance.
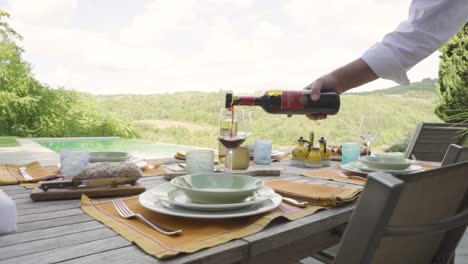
<point>108,156</point>
<point>220,188</point>
<point>386,163</point>
<point>312,164</point>
<point>358,167</point>
<point>173,196</point>
<point>152,203</point>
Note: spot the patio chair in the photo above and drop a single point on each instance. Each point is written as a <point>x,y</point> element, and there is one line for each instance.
<point>455,154</point>
<point>416,218</point>
<point>429,141</point>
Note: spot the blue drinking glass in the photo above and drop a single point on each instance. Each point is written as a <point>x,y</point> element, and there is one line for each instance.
<point>350,151</point>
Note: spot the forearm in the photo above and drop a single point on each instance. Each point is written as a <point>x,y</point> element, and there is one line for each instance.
<point>353,74</point>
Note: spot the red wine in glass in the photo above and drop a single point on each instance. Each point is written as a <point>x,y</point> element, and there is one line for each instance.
<point>231,142</point>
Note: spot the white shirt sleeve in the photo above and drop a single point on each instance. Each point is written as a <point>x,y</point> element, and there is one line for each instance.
<point>429,25</point>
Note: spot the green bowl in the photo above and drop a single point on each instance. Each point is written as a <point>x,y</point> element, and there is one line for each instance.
<point>217,188</point>
<point>386,163</point>
<point>108,156</point>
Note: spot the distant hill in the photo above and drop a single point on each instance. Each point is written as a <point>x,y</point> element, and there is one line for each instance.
<point>426,85</point>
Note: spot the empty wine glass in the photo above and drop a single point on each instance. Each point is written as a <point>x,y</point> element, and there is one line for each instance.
<point>240,128</point>
<point>369,130</point>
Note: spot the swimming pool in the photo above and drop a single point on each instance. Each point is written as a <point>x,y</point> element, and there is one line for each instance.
<point>139,148</point>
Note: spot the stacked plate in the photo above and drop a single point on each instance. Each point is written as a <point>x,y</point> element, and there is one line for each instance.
<point>222,196</point>
<point>386,164</point>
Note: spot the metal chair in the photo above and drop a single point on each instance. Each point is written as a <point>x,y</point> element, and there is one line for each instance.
<point>455,154</point>
<point>429,141</point>
<point>416,218</point>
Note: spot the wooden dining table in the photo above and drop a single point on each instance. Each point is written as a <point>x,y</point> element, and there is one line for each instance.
<point>60,232</point>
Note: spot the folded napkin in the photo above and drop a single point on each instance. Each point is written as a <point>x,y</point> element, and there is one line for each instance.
<point>13,174</point>
<point>321,195</point>
<point>335,174</point>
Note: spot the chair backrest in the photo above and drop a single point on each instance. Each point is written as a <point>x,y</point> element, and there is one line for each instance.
<point>455,154</point>
<point>430,141</point>
<point>414,203</point>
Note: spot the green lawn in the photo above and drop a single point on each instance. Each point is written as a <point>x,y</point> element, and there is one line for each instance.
<point>8,142</point>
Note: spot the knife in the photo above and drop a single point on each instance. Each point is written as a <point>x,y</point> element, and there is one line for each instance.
<point>74,184</point>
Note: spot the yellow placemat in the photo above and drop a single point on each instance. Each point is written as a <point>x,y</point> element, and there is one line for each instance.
<point>333,174</point>
<point>10,174</point>
<point>197,233</point>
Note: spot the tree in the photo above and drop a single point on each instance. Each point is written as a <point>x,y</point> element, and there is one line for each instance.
<point>30,108</point>
<point>453,79</point>
<point>19,91</point>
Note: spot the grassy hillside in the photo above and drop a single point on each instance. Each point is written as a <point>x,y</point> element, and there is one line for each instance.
<point>400,109</point>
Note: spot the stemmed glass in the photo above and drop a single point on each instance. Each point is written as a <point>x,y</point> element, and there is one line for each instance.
<point>369,130</point>
<point>239,129</point>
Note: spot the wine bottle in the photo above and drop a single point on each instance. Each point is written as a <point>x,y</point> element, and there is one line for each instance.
<point>290,102</point>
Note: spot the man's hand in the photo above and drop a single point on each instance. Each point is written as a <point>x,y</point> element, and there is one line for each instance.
<point>351,75</point>
<point>323,84</point>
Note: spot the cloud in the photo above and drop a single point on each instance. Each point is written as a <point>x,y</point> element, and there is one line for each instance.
<point>44,12</point>
<point>179,45</point>
<point>160,17</point>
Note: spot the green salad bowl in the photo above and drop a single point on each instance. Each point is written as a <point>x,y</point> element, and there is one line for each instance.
<point>386,163</point>
<point>108,156</point>
<point>217,188</point>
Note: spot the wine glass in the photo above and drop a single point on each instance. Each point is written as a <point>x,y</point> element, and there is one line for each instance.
<point>369,130</point>
<point>240,128</point>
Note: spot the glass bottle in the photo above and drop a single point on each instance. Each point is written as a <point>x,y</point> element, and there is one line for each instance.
<point>291,102</point>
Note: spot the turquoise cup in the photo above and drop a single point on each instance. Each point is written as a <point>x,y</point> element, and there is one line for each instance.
<point>350,151</point>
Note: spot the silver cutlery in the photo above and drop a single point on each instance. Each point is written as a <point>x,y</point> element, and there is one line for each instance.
<point>341,174</point>
<point>291,201</point>
<point>125,212</point>
<point>25,174</point>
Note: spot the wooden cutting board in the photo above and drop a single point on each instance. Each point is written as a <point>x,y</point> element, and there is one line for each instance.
<point>62,194</point>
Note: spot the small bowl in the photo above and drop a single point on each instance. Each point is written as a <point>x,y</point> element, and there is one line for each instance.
<point>219,188</point>
<point>312,164</point>
<point>386,163</point>
<point>297,162</point>
<point>326,162</point>
<point>108,156</point>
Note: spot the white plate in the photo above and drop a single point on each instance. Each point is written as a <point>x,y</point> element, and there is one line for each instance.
<point>168,193</point>
<point>152,203</point>
<point>358,167</point>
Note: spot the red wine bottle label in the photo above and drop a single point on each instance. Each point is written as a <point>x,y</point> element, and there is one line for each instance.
<point>248,100</point>
<point>292,100</point>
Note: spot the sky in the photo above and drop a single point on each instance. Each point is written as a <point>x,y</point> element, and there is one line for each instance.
<point>164,46</point>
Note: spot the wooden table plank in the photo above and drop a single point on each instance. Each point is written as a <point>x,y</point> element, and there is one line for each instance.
<point>125,255</point>
<point>51,208</point>
<point>48,215</point>
<point>231,252</point>
<point>70,252</point>
<point>35,246</point>
<point>57,232</point>
<point>67,220</point>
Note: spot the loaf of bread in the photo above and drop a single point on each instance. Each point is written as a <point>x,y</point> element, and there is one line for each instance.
<point>101,170</point>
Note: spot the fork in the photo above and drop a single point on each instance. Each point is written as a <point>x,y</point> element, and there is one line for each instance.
<point>125,212</point>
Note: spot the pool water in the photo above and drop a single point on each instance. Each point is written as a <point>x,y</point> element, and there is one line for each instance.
<point>138,148</point>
